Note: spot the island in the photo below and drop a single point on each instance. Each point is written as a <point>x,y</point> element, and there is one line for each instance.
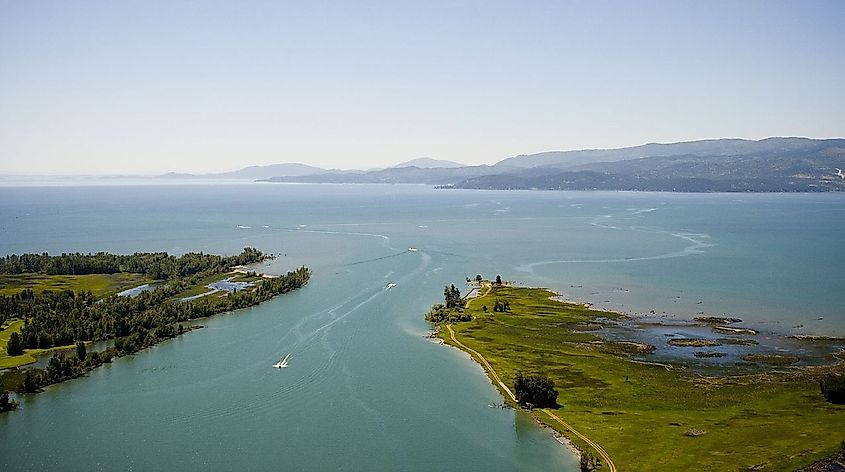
<point>64,304</point>
<point>622,411</point>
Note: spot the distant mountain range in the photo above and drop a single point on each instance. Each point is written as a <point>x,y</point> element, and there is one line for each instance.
<point>253,172</point>
<point>301,170</point>
<point>714,165</point>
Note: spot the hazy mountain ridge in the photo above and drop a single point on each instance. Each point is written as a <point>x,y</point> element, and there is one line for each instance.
<point>429,163</point>
<point>708,147</point>
<point>253,172</point>
<point>813,170</point>
<point>715,165</point>
<point>394,175</point>
<point>718,165</point>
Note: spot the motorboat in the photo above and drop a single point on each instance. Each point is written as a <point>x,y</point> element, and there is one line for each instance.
<point>282,363</point>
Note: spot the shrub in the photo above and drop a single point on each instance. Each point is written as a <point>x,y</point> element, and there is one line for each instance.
<point>535,390</point>
<point>833,388</point>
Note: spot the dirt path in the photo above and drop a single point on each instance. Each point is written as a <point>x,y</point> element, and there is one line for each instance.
<point>483,362</point>
<point>604,455</point>
<point>477,290</point>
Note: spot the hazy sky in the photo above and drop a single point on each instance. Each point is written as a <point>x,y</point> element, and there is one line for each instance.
<point>147,86</point>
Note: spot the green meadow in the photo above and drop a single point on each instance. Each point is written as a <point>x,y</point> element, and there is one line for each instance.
<point>99,284</point>
<point>652,417</point>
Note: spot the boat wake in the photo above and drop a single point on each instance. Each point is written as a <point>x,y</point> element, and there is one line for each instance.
<point>698,243</point>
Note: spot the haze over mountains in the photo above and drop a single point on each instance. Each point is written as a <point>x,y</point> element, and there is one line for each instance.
<point>715,165</point>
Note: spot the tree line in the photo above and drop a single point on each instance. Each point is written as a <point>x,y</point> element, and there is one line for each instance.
<point>158,265</point>
<point>181,272</point>
<point>64,317</point>
<point>58,318</point>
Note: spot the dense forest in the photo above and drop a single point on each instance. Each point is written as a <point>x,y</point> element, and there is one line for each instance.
<point>59,318</point>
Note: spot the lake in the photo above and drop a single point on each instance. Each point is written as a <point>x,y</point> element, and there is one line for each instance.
<point>365,389</point>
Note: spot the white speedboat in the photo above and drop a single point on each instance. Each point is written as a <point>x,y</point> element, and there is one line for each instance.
<point>282,363</point>
<point>412,249</point>
<point>390,285</point>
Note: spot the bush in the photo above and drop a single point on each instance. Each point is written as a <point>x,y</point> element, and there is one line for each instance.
<point>833,388</point>
<point>535,390</point>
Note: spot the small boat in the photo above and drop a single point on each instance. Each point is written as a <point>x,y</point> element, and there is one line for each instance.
<point>390,285</point>
<point>282,363</point>
<point>412,249</point>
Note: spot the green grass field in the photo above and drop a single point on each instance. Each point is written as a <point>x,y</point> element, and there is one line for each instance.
<point>99,284</point>
<point>772,421</point>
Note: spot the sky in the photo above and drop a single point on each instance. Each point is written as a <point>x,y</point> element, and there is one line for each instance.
<point>145,87</point>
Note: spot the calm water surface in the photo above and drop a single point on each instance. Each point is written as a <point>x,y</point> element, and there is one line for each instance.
<point>365,390</point>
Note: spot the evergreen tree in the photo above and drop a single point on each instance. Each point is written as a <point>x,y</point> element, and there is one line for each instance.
<point>14,346</point>
<point>31,382</point>
<point>452,296</point>
<point>81,352</point>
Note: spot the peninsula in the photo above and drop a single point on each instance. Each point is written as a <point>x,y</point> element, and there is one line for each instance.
<point>55,304</point>
<point>545,355</point>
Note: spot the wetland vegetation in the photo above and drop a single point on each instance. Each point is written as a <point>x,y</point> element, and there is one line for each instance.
<point>647,415</point>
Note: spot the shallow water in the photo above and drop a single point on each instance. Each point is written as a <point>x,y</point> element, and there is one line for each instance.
<point>365,390</point>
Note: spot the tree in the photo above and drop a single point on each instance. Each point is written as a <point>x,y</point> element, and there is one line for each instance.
<point>14,347</point>
<point>452,295</point>
<point>833,388</point>
<point>498,280</point>
<point>535,391</point>
<point>5,403</point>
<point>478,278</point>
<point>502,307</point>
<point>81,352</point>
<point>31,382</point>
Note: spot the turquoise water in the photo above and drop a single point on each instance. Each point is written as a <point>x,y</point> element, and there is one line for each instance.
<point>365,389</point>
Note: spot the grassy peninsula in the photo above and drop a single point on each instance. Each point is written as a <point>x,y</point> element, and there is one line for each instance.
<point>66,302</point>
<point>636,415</point>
